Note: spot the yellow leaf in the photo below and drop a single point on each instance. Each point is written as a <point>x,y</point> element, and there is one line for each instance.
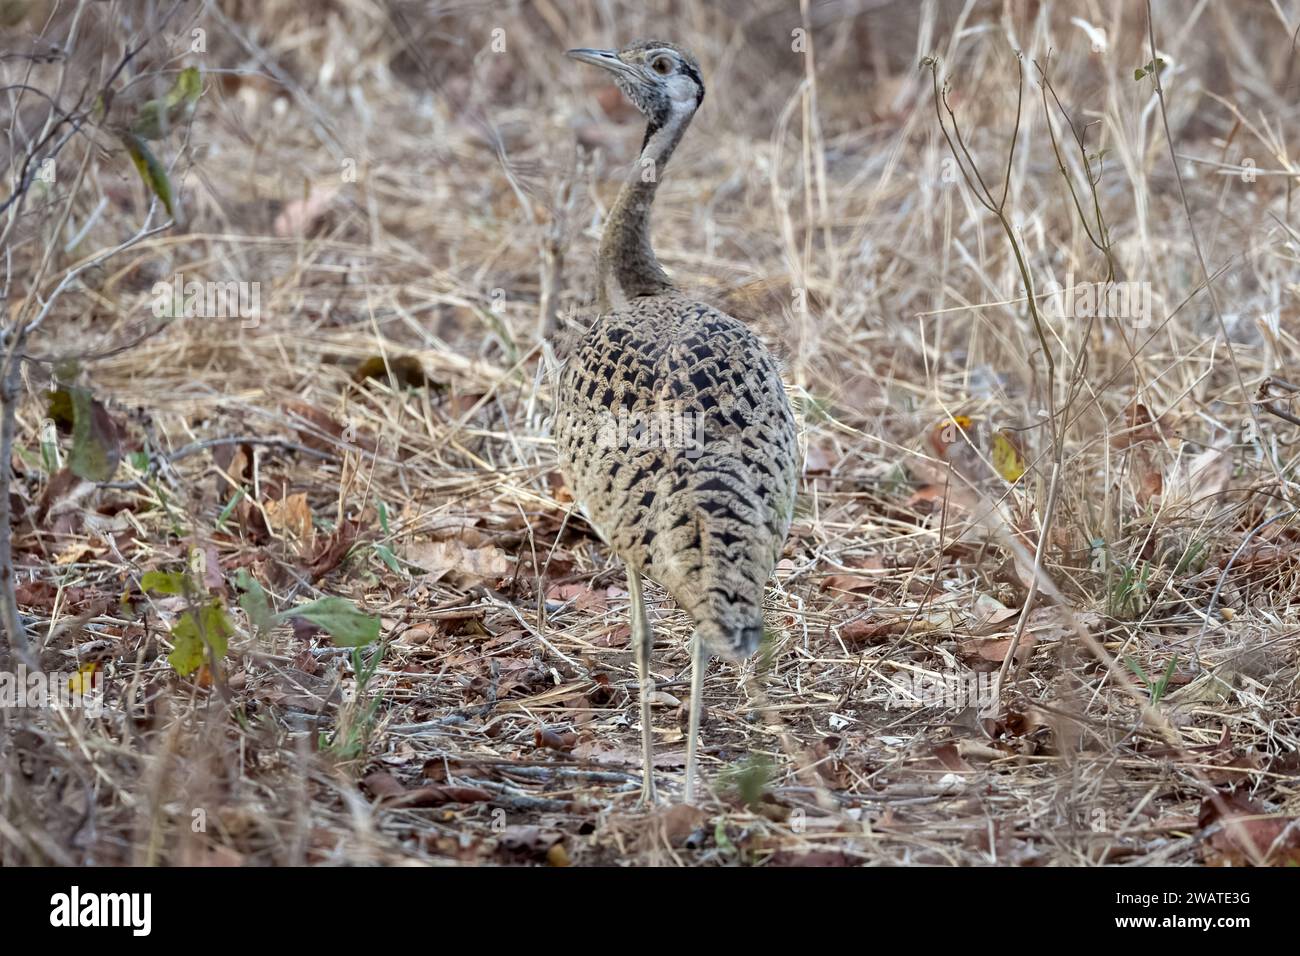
<point>556,856</point>
<point>948,433</point>
<point>1007,458</point>
<point>151,170</point>
<point>83,681</point>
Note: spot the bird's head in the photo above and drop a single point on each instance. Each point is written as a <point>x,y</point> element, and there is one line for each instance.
<point>660,78</point>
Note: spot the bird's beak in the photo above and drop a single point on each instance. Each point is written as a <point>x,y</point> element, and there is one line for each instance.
<point>605,59</point>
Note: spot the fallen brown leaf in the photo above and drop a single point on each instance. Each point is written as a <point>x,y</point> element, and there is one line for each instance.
<point>435,794</point>
<point>545,738</point>
<point>1240,832</point>
<point>330,554</point>
<point>291,517</point>
<point>300,216</point>
<point>457,563</point>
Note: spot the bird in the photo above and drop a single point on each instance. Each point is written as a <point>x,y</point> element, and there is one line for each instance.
<point>672,424</point>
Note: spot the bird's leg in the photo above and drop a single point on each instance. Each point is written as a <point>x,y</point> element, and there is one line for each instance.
<point>642,640</point>
<point>698,662</point>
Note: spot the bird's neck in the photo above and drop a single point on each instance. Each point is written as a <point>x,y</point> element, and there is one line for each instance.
<point>627,263</point>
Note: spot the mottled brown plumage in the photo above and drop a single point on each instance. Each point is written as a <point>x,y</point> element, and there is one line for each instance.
<point>700,501</point>
<point>673,426</point>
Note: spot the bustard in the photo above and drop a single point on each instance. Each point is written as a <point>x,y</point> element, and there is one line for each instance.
<point>672,425</point>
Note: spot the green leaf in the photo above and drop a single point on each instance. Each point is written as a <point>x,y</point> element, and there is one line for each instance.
<point>185,91</point>
<point>235,499</point>
<point>217,624</point>
<point>66,369</point>
<point>163,582</point>
<point>386,555</point>
<point>156,117</point>
<point>187,647</point>
<point>749,779</point>
<point>345,623</point>
<point>1136,668</point>
<point>191,637</point>
<point>1158,692</point>
<point>149,122</point>
<point>255,602</point>
<point>1151,68</point>
<point>96,449</point>
<point>720,836</point>
<point>151,171</point>
<point>49,453</point>
<point>59,408</point>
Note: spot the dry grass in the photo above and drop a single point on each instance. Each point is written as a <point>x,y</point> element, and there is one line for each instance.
<point>500,723</point>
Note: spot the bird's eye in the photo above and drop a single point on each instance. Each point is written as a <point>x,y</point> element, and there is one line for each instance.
<point>663,66</point>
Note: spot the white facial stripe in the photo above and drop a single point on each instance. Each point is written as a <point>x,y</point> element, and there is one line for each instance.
<point>681,90</point>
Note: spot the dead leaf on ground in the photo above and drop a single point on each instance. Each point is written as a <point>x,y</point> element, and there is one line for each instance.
<point>620,635</point>
<point>417,634</point>
<point>300,216</point>
<point>865,631</point>
<point>1015,723</point>
<point>957,442</point>
<point>603,752</point>
<point>994,652</point>
<point>406,370</point>
<point>457,563</point>
<point>931,495</point>
<point>676,823</point>
<point>850,582</point>
<point>235,462</point>
<point>206,854</point>
<point>818,858</point>
<point>529,840</point>
<point>434,795</point>
<point>330,553</point>
<point>1241,832</point>
<point>946,756</point>
<point>291,518</point>
<point>320,430</point>
<point>1050,622</point>
<point>210,568</point>
<point>460,524</point>
<point>1139,426</point>
<point>989,614</point>
<point>1211,687</point>
<point>544,738</point>
<point>44,595</point>
<point>1148,477</point>
<point>584,598</point>
<point>382,785</point>
<point>1194,483</point>
<point>62,494</point>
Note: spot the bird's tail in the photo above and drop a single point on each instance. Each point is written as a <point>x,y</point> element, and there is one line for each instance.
<point>734,642</point>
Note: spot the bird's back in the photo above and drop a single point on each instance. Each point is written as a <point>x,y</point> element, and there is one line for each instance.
<point>676,435</point>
